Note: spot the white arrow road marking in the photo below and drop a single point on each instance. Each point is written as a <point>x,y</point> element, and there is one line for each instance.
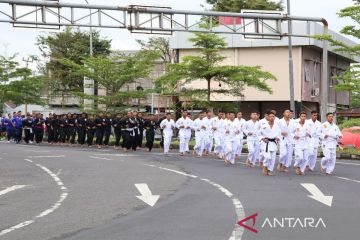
<point>317,195</point>
<point>10,189</point>
<point>146,195</point>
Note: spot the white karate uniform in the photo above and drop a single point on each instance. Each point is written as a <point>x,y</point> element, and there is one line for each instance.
<point>269,153</point>
<point>240,137</point>
<point>301,145</point>
<point>218,126</point>
<point>315,132</point>
<point>329,145</point>
<point>167,126</point>
<point>209,134</point>
<point>232,130</point>
<point>262,122</point>
<point>200,135</point>
<point>251,129</point>
<point>286,142</point>
<point>184,125</point>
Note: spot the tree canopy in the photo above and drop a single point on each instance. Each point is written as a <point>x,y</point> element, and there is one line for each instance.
<point>207,67</point>
<point>72,44</point>
<point>18,84</point>
<point>349,79</point>
<point>113,74</point>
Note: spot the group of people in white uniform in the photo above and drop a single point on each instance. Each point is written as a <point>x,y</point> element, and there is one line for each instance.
<point>296,140</point>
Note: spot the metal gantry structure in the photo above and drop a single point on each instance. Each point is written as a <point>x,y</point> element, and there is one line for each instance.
<point>159,20</point>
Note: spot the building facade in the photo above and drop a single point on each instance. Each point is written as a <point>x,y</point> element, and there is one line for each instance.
<point>272,56</point>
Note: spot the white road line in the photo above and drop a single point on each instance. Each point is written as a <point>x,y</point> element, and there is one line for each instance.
<point>346,163</point>
<point>55,206</point>
<point>178,172</point>
<point>102,158</point>
<point>59,156</point>
<point>239,209</point>
<point>117,155</point>
<point>10,189</point>
<point>37,151</point>
<point>348,179</point>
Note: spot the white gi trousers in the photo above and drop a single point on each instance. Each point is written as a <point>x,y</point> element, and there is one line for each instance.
<point>269,159</point>
<point>231,146</point>
<point>329,160</point>
<point>286,153</point>
<point>167,142</point>
<point>254,150</point>
<point>200,142</point>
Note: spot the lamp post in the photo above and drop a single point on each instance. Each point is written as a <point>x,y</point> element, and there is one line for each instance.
<point>89,87</point>
<point>291,63</point>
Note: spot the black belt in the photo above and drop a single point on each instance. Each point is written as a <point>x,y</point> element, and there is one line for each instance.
<point>269,140</point>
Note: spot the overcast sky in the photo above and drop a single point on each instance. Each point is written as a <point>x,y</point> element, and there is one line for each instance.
<point>22,41</point>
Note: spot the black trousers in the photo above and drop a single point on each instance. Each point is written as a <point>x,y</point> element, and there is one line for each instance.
<point>39,134</point>
<point>107,133</point>
<point>9,133</point>
<point>162,139</point>
<point>28,134</point>
<point>72,133</point>
<point>50,135</point>
<point>81,135</point>
<point>117,132</point>
<point>141,136</point>
<point>150,137</point>
<point>99,135</point>
<point>56,134</point>
<point>67,133</point>
<point>62,135</point>
<point>135,141</point>
<point>17,134</point>
<point>127,139</point>
<point>90,136</point>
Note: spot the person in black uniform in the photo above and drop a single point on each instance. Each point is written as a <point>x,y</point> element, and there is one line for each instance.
<point>150,127</point>
<point>141,122</point>
<point>135,121</point>
<point>117,130</point>
<point>49,128</point>
<point>81,128</point>
<point>33,117</point>
<point>107,128</point>
<point>55,125</point>
<point>28,125</point>
<point>90,130</point>
<point>39,128</point>
<point>62,128</point>
<point>127,131</point>
<point>100,123</point>
<point>72,128</point>
<point>67,128</point>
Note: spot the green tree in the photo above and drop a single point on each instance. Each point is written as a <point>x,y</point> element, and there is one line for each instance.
<point>114,74</point>
<point>72,44</point>
<point>161,44</point>
<point>238,5</point>
<point>349,79</point>
<point>207,67</point>
<point>18,84</point>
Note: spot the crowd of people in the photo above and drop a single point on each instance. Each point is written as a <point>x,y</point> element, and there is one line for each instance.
<point>296,140</point>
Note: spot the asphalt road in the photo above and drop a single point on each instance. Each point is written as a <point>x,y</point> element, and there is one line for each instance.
<point>53,193</point>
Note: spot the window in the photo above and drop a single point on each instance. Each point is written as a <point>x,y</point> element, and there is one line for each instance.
<point>307,71</point>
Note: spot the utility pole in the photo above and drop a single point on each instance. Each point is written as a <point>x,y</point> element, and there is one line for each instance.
<point>291,62</point>
<point>89,87</point>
